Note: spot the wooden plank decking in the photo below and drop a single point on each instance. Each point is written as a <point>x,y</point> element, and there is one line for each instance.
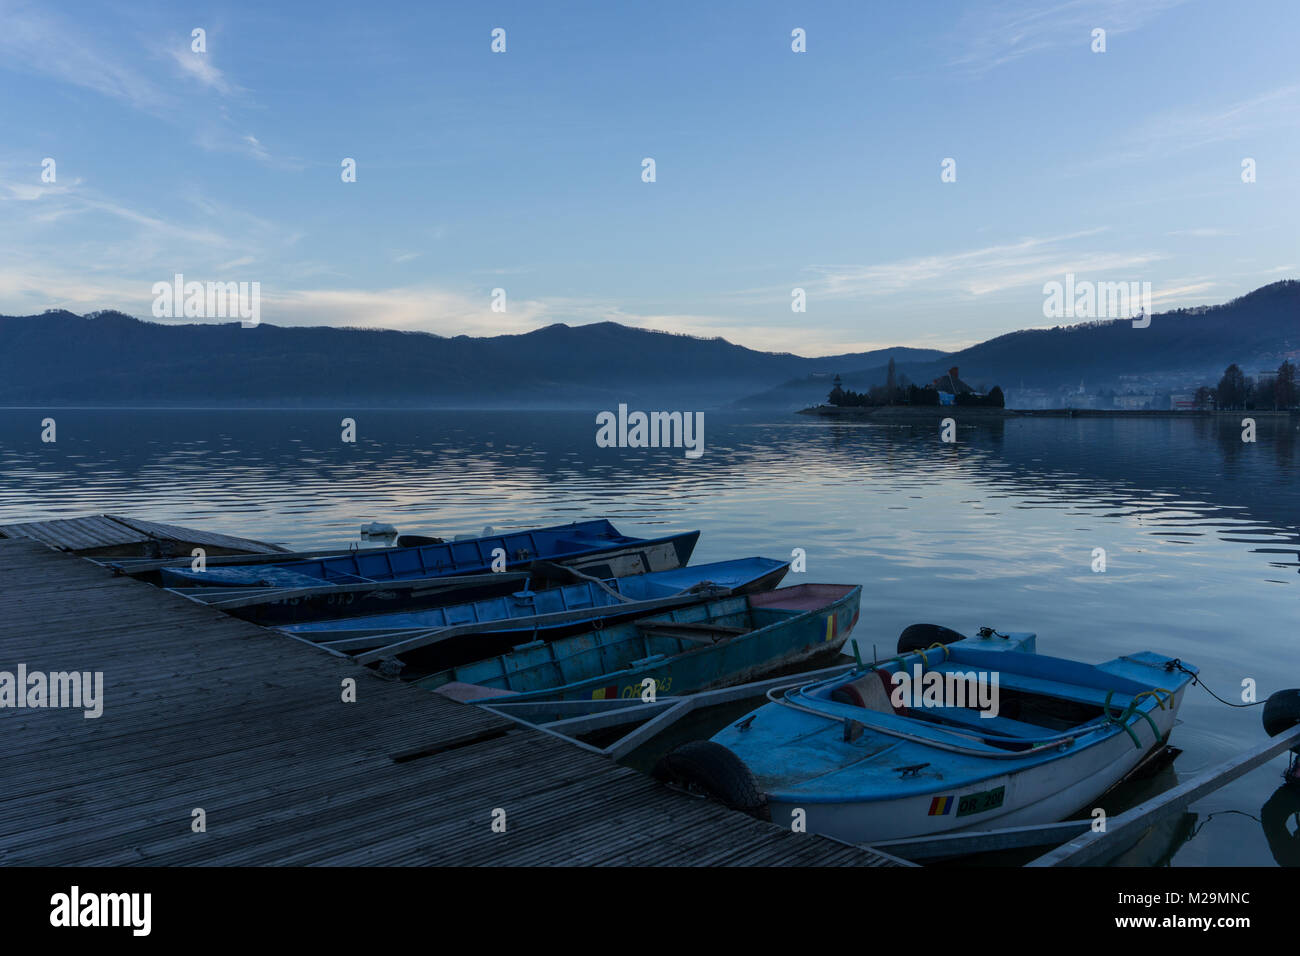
<point>90,533</point>
<point>121,535</point>
<point>205,710</point>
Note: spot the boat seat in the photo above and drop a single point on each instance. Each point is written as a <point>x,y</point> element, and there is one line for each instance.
<point>1074,692</point>
<point>968,718</point>
<point>871,691</point>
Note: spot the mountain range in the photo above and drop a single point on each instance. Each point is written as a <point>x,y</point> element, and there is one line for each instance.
<point>1180,349</point>
<point>108,358</point>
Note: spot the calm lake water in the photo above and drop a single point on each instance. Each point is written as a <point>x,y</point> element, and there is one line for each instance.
<point>1201,531</point>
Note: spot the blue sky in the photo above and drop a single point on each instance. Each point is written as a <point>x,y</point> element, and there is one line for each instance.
<point>775,169</point>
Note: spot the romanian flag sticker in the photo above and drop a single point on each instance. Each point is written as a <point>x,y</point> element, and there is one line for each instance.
<point>940,806</point>
<point>605,693</point>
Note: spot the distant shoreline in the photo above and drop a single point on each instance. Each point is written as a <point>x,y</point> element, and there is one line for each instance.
<point>934,413</point>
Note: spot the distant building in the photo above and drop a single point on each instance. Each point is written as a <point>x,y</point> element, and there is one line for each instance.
<point>837,391</point>
<point>949,386</point>
<point>1182,401</point>
<point>1133,402</point>
<point>1030,398</point>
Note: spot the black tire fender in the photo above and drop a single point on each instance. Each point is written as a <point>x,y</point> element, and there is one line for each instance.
<point>917,637</point>
<point>714,770</point>
<point>1281,711</point>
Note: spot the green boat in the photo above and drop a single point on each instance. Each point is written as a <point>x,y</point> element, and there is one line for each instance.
<point>703,646</point>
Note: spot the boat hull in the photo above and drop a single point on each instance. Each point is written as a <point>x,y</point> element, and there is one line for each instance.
<point>861,758</point>
<point>279,606</point>
<point>597,547</point>
<point>796,634</point>
<point>534,614</point>
<point>1044,793</point>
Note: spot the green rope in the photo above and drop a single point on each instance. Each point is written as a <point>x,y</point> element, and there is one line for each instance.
<point>1122,719</point>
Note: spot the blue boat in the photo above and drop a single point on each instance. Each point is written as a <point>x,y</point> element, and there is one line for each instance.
<point>975,734</point>
<point>595,547</point>
<point>701,646</point>
<point>552,611</point>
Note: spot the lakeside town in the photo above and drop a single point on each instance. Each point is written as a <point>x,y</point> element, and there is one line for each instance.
<point>1267,390</point>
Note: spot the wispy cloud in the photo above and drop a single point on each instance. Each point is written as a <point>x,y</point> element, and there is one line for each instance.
<point>1180,130</point>
<point>972,272</point>
<point>31,286</point>
<point>425,309</point>
<point>1171,296</point>
<point>810,341</point>
<point>33,41</point>
<point>992,35</point>
<point>255,147</point>
<point>199,67</point>
<point>38,43</point>
<point>33,192</point>
<point>1201,232</point>
<point>1225,121</point>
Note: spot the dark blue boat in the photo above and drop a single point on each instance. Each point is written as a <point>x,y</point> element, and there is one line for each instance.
<point>552,611</point>
<point>594,547</point>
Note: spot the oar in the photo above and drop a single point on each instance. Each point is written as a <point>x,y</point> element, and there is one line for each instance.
<point>551,568</point>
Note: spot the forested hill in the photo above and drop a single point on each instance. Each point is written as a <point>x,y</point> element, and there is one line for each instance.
<point>107,358</point>
<point>1255,331</point>
<point>111,358</point>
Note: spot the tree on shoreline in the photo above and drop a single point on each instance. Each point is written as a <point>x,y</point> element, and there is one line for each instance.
<point>1234,388</point>
<point>903,392</point>
<point>1284,386</point>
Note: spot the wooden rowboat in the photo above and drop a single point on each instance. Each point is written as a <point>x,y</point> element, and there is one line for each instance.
<point>595,546</point>
<point>714,644</point>
<point>381,580</point>
<point>552,611</point>
<point>865,763</point>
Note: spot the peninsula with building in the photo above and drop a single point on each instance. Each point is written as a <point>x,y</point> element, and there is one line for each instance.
<point>1270,392</point>
<point>900,399</point>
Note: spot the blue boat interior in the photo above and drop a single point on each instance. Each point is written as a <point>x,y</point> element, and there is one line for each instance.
<point>473,553</point>
<point>468,556</point>
<point>539,665</point>
<point>844,740</point>
<point>527,604</point>
<point>1038,698</point>
<point>601,655</point>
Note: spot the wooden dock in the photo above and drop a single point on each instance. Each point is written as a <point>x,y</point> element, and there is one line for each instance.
<point>122,536</point>
<point>202,710</point>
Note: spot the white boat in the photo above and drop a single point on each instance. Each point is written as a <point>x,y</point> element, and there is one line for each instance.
<point>909,748</point>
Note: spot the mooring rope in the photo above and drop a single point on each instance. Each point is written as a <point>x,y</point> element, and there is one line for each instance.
<point>1177,664</point>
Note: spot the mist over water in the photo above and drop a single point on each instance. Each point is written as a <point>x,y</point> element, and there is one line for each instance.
<point>1201,531</point>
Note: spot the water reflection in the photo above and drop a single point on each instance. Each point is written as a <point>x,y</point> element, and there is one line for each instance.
<point>1199,529</point>
<point>1280,818</point>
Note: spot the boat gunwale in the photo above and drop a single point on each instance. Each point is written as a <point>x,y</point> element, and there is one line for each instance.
<point>999,759</point>
<point>854,591</point>
<point>613,542</point>
<point>350,628</point>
